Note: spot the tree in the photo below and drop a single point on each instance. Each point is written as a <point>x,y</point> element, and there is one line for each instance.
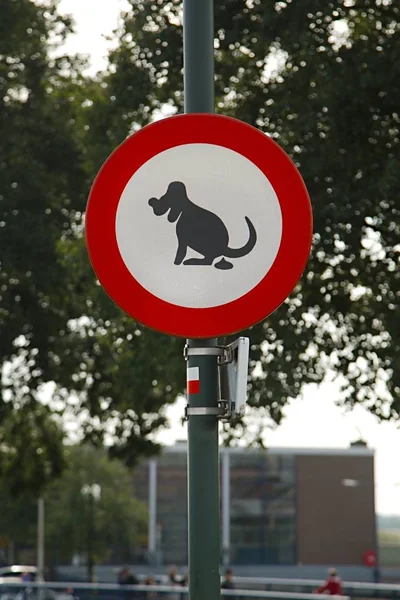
<point>55,323</point>
<point>76,522</point>
<point>41,179</point>
<point>330,100</point>
<point>31,449</point>
<point>344,138</point>
<point>18,523</point>
<point>86,520</point>
<point>121,374</point>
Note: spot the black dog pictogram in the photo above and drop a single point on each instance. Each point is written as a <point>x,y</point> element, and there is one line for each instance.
<point>199,229</point>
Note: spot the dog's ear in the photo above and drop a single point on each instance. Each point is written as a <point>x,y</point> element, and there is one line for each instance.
<point>177,187</point>
<point>174,213</point>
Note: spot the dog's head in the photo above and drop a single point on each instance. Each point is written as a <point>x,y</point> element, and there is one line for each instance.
<point>173,200</point>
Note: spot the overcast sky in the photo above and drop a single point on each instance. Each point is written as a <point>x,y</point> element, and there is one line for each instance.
<point>312,420</point>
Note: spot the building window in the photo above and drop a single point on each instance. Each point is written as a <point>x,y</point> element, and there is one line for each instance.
<point>263,515</point>
<point>172,507</point>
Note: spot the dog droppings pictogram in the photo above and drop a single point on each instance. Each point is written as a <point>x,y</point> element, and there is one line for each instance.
<point>199,229</point>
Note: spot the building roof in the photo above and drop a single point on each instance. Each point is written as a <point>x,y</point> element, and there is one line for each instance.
<point>356,450</point>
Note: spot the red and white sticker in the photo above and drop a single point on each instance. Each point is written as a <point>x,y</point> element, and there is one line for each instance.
<point>193,380</point>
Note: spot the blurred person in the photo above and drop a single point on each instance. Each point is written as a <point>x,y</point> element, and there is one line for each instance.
<point>70,593</point>
<point>151,581</point>
<point>27,592</point>
<point>173,577</point>
<point>333,585</point>
<point>125,577</point>
<point>174,580</point>
<point>227,583</point>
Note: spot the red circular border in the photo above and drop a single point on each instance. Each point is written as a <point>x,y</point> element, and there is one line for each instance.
<point>169,318</point>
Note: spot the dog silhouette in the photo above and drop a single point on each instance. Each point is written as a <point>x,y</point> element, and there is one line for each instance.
<point>199,229</point>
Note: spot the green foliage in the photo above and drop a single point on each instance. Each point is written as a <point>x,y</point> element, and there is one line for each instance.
<point>118,519</point>
<point>120,372</point>
<point>32,453</point>
<point>56,324</point>
<point>18,519</point>
<point>41,180</point>
<point>331,102</point>
<point>389,538</point>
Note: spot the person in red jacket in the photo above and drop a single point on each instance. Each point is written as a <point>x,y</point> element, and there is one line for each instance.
<point>333,585</point>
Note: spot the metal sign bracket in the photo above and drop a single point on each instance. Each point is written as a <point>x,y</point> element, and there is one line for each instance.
<point>227,357</point>
<point>224,354</point>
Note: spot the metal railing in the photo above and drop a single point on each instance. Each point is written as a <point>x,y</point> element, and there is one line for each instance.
<point>350,587</point>
<point>111,591</point>
<point>245,588</point>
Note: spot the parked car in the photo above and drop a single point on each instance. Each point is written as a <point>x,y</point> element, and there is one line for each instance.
<point>14,575</point>
<point>16,572</point>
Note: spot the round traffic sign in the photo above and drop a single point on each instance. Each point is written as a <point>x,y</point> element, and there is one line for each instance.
<point>369,558</point>
<point>198,225</point>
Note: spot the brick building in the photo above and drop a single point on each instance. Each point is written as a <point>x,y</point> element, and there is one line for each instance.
<point>278,507</point>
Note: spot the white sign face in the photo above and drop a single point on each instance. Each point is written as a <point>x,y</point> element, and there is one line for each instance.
<point>206,240</point>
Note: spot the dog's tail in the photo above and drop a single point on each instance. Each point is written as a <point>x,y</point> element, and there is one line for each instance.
<point>248,247</point>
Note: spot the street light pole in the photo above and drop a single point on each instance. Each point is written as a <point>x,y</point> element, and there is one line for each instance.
<point>93,493</point>
<point>40,540</point>
<point>152,526</point>
<point>90,531</point>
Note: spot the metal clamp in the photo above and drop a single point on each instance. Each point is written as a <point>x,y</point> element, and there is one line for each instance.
<point>206,351</point>
<point>219,411</point>
<point>224,354</point>
<point>202,411</point>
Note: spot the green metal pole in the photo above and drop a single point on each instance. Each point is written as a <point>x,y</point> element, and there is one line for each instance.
<point>198,55</point>
<point>203,480</point>
<point>203,454</point>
